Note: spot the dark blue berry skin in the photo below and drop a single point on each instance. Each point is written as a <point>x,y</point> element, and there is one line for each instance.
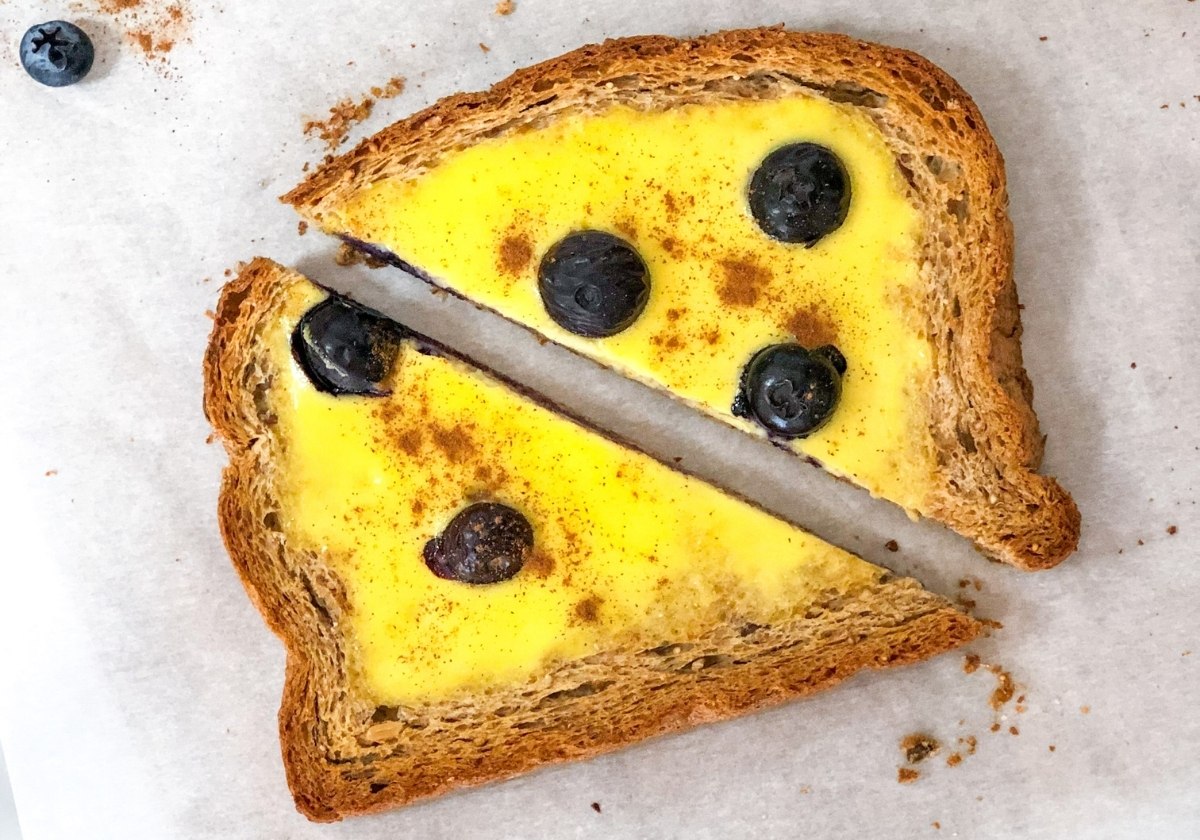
<point>57,53</point>
<point>486,542</point>
<point>593,284</point>
<point>790,390</point>
<point>800,194</point>
<point>345,348</point>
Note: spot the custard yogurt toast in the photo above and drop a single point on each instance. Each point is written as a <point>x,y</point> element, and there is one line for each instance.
<point>470,584</point>
<point>801,234</point>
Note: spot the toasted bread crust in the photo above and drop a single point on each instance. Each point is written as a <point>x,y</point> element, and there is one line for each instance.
<point>345,755</point>
<point>980,409</point>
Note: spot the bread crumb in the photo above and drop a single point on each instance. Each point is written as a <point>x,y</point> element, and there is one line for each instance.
<point>970,663</point>
<point>210,315</point>
<point>918,746</point>
<point>50,473</point>
<point>936,825</point>
<point>1052,748</point>
<point>347,113</point>
<point>995,727</point>
<point>1043,37</point>
<point>1012,730</point>
<point>1172,530</point>
<point>348,255</point>
<point>1133,365</point>
<point>302,227</point>
<point>972,743</point>
<point>953,760</point>
<point>484,47</point>
<point>596,807</point>
<point>1140,542</point>
<point>1004,687</point>
<point>505,8</point>
<point>905,776</point>
<point>892,545</point>
<point>805,789</point>
<point>1086,710</point>
<point>211,439</point>
<point>969,603</point>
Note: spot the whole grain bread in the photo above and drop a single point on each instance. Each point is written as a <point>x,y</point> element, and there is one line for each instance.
<point>979,408</point>
<point>344,753</point>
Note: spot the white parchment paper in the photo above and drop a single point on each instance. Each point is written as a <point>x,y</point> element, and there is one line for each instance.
<point>138,687</point>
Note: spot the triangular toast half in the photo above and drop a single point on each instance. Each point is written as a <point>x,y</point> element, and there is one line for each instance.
<point>634,600</point>
<point>699,160</point>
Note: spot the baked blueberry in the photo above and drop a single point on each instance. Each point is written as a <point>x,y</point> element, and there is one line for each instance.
<point>57,53</point>
<point>484,543</point>
<point>790,390</point>
<point>346,348</point>
<point>593,283</point>
<point>800,193</point>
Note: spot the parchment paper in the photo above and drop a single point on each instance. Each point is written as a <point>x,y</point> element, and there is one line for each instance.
<point>138,687</point>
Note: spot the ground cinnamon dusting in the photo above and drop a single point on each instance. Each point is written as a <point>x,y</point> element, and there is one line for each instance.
<point>347,113</point>
<point>744,282</point>
<point>811,327</point>
<point>541,565</point>
<point>151,27</point>
<point>516,252</point>
<point>589,608</point>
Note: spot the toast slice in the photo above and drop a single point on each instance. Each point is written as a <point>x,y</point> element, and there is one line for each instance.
<point>644,602</point>
<point>658,143</point>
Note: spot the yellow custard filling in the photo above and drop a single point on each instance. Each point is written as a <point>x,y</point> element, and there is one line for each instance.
<point>625,548</point>
<point>674,184</point>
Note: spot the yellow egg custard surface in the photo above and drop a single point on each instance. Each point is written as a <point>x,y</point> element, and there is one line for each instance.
<point>625,549</point>
<point>674,185</point>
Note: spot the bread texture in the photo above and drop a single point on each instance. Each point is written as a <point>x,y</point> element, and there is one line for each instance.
<point>345,754</point>
<point>979,408</point>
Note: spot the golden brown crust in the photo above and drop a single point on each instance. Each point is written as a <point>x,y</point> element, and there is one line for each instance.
<point>980,413</point>
<point>344,754</point>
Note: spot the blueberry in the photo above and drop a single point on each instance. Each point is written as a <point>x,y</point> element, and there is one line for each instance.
<point>57,53</point>
<point>484,543</point>
<point>800,193</point>
<point>790,390</point>
<point>345,348</point>
<point>593,284</point>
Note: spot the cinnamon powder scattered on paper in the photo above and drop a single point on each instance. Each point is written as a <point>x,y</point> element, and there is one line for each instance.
<point>152,28</point>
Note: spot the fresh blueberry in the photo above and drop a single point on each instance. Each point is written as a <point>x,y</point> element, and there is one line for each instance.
<point>593,284</point>
<point>57,53</point>
<point>345,348</point>
<point>800,193</point>
<point>484,543</point>
<point>790,390</point>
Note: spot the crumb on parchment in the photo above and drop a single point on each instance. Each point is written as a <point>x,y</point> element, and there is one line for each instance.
<point>906,776</point>
<point>347,113</point>
<point>918,746</point>
<point>505,8</point>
